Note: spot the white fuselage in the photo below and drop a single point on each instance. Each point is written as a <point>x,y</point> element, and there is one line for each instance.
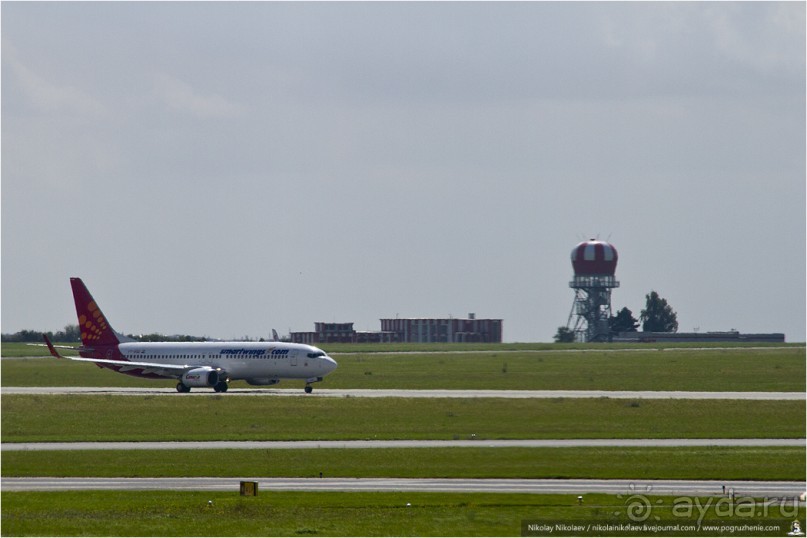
<point>257,361</point>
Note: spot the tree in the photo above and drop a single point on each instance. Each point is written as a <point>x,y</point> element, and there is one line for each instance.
<point>71,333</point>
<point>658,316</point>
<point>623,322</point>
<point>564,335</point>
<point>24,335</point>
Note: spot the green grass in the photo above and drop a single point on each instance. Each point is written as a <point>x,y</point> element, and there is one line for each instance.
<point>718,463</point>
<point>35,418</point>
<point>183,513</point>
<point>599,368</point>
<point>14,349</point>
<point>540,346</point>
<point>681,369</point>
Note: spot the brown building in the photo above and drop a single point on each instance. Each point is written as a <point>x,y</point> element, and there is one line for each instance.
<point>406,330</point>
<point>444,329</point>
<point>326,333</point>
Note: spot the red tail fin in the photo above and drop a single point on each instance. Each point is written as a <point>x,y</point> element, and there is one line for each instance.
<point>95,330</point>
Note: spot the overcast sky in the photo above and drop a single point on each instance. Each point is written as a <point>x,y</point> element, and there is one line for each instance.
<point>223,169</point>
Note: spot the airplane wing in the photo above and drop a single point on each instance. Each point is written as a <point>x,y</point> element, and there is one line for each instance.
<point>173,370</point>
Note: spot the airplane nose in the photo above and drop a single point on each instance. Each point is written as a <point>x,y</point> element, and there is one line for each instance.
<point>330,365</point>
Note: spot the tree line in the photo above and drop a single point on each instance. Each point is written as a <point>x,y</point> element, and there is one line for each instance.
<point>657,316</point>
<point>71,333</point>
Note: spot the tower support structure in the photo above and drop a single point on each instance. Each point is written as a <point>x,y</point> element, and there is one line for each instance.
<point>590,316</point>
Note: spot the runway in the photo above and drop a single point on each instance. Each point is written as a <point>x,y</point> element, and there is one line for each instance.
<point>391,393</point>
<point>576,487</point>
<point>500,443</point>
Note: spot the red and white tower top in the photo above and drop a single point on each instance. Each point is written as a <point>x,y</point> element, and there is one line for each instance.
<point>593,257</point>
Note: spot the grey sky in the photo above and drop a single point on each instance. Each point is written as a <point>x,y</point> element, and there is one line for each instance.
<point>225,168</point>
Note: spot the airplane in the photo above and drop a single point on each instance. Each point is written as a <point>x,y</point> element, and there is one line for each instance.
<point>193,364</point>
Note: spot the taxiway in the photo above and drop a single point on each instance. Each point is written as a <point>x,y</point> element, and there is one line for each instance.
<point>495,443</point>
<point>617,487</point>
<point>393,393</point>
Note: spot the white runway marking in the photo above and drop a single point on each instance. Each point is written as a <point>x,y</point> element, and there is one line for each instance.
<point>394,393</point>
<point>496,443</point>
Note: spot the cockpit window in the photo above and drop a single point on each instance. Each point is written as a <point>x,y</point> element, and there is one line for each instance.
<point>315,354</point>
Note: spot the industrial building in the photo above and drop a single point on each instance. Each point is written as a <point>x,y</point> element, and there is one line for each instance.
<point>329,333</point>
<point>726,336</point>
<point>446,330</point>
<point>420,330</point>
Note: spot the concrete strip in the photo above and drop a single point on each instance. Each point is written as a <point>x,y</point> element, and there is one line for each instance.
<point>358,444</point>
<point>393,393</point>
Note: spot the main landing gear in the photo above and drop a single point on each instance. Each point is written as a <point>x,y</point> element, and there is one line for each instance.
<point>221,386</point>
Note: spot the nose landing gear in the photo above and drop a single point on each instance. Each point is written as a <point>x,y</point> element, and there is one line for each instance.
<point>308,388</point>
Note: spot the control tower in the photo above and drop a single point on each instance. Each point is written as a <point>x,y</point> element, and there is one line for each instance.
<point>594,264</point>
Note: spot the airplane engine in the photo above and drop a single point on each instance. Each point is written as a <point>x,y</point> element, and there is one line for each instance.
<point>200,377</point>
<point>258,381</point>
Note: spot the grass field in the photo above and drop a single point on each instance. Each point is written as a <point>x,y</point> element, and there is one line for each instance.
<point>174,513</point>
<point>35,418</point>
<point>508,367</point>
<point>734,369</point>
<point>734,463</point>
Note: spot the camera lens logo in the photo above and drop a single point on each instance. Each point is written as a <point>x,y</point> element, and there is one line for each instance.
<point>638,506</point>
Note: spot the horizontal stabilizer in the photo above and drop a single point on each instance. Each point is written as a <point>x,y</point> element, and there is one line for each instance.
<point>52,348</point>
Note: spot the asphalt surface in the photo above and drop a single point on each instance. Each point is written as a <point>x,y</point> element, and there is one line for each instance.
<point>382,393</point>
<point>499,443</point>
<point>577,487</point>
